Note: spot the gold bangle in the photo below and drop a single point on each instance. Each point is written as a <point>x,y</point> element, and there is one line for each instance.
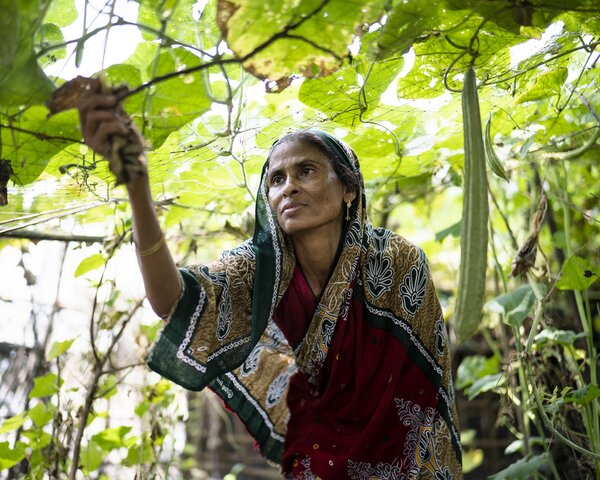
<point>153,249</point>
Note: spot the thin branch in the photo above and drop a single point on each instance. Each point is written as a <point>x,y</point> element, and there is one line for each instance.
<point>120,22</point>
<point>59,237</point>
<point>46,219</point>
<point>42,136</point>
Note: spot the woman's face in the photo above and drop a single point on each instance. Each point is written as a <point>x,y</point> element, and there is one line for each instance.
<point>304,191</point>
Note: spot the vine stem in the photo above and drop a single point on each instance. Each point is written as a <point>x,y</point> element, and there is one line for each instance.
<point>93,389</point>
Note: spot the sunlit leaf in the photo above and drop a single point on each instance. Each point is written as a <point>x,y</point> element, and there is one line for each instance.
<point>11,456</point>
<point>61,12</point>
<point>40,414</point>
<point>45,386</point>
<point>13,423</point>
<point>59,347</point>
<point>545,85</point>
<point>91,457</point>
<point>38,439</point>
<point>248,25</point>
<point>90,263</point>
<point>111,438</point>
<point>451,231</point>
<point>139,454</point>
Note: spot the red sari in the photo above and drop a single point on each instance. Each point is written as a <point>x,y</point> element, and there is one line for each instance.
<point>355,419</point>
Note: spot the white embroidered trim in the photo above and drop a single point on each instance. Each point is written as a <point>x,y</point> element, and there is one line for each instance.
<point>262,413</point>
<point>181,352</point>
<point>455,434</point>
<point>227,347</point>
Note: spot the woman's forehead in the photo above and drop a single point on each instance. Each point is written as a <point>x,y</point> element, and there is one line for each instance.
<point>295,151</point>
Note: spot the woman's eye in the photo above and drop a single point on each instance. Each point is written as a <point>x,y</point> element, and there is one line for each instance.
<point>307,170</point>
<point>275,179</point>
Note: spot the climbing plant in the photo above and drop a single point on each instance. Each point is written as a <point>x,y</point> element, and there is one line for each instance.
<point>212,84</point>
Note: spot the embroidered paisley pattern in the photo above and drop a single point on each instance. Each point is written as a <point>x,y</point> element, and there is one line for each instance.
<point>277,389</point>
<point>251,364</point>
<point>412,288</point>
<point>440,334</point>
<point>422,438</point>
<point>224,317</point>
<point>380,275</point>
<point>397,470</point>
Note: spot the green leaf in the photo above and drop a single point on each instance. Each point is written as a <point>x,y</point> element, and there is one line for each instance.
<point>36,140</point>
<point>522,469</point>
<point>575,274</point>
<point>108,387</point>
<point>474,367</point>
<point>9,457</point>
<point>171,105</point>
<point>515,305</point>
<point>40,414</point>
<point>61,12</point>
<point>49,35</point>
<point>423,81</point>
<point>485,384</point>
<point>9,31</point>
<point>142,408</point>
<point>92,262</point>
<point>58,348</point>
<point>38,439</point>
<point>22,81</point>
<point>563,337</point>
<point>583,396</point>
<point>545,85</point>
<point>139,454</point>
<point>111,438</point>
<point>92,456</point>
<point>151,331</point>
<point>249,24</point>
<point>45,386</point>
<point>406,21</point>
<point>451,231</point>
<point>13,423</point>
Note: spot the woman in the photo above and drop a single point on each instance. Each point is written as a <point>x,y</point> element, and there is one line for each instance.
<point>322,333</point>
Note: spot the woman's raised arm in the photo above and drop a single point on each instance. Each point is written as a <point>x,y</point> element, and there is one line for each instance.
<point>101,119</point>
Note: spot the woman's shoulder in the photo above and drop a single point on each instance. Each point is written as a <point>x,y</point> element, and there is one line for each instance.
<point>244,250</point>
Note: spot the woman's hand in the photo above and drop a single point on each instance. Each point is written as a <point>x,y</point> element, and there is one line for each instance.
<point>106,127</point>
<point>100,119</point>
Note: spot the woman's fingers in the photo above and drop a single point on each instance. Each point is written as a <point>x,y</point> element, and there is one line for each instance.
<point>100,120</point>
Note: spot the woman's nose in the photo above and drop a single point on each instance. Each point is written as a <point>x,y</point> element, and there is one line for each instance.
<point>290,187</point>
